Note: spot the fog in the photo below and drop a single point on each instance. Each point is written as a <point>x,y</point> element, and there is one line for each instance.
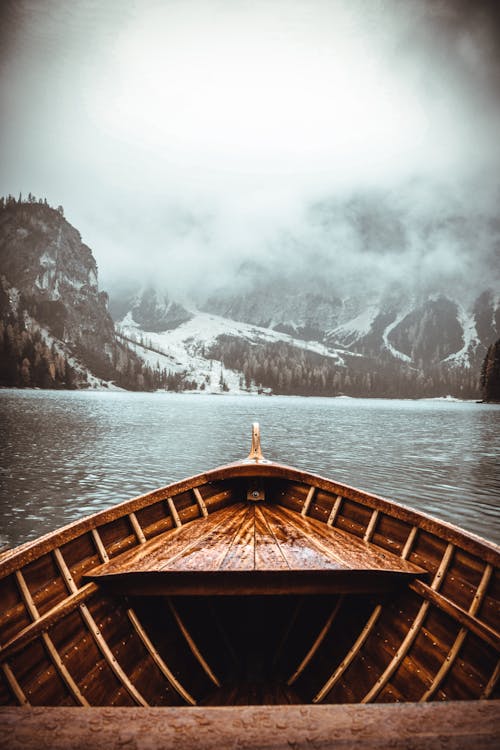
<point>185,138</point>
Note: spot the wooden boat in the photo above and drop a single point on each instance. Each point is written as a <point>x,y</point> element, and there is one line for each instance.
<point>259,587</point>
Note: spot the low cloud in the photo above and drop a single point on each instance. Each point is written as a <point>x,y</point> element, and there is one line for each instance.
<point>187,139</point>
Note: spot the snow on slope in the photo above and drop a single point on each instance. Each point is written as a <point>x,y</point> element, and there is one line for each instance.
<point>385,336</point>
<point>470,337</point>
<point>356,328</point>
<point>182,349</point>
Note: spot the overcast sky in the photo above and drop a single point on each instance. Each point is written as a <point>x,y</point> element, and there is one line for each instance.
<point>185,136</point>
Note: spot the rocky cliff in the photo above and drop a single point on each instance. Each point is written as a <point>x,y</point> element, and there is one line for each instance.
<point>55,329</point>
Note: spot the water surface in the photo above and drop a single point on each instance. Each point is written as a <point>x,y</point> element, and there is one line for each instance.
<point>64,455</point>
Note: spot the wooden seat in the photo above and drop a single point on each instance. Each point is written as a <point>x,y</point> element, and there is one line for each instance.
<point>255,548</point>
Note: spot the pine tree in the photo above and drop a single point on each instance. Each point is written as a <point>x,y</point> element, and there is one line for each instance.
<point>490,373</point>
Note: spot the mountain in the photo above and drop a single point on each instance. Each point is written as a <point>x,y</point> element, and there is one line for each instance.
<point>151,309</point>
<point>288,340</point>
<point>305,328</point>
<point>383,293</point>
<point>55,329</point>
<point>423,329</point>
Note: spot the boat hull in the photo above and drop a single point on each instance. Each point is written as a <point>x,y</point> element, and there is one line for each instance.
<point>370,602</point>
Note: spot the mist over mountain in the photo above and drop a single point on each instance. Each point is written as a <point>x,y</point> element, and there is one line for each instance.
<point>189,139</point>
<point>311,176</point>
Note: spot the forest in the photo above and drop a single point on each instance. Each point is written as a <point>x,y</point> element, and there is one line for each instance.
<point>286,369</point>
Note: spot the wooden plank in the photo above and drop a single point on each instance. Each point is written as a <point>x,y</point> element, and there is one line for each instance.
<point>97,635</point>
<point>237,550</point>
<point>425,726</point>
<point>249,582</point>
<point>218,544</point>
<point>317,642</point>
<point>137,528</point>
<point>412,632</point>
<point>47,620</point>
<point>192,645</point>
<point>260,538</point>
<point>409,543</point>
<point>273,727</point>
<point>334,511</point>
<point>166,548</point>
<point>100,546</point>
<point>350,656</point>
<point>371,526</point>
<point>63,671</point>
<point>17,558</point>
<point>457,645</point>
<point>268,552</point>
<point>337,547</point>
<point>297,544</point>
<point>476,626</point>
<point>14,685</point>
<point>201,502</point>
<point>160,663</point>
<point>26,595</point>
<point>105,650</point>
<point>173,512</point>
<point>308,501</point>
<point>48,643</point>
<point>65,571</point>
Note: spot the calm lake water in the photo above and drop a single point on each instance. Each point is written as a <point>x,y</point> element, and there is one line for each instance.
<point>64,455</point>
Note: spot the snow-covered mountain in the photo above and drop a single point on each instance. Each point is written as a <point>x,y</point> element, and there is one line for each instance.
<point>191,347</point>
<point>307,327</point>
<point>421,329</point>
<point>396,344</point>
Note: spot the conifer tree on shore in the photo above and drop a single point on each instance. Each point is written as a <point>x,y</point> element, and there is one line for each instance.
<point>490,373</point>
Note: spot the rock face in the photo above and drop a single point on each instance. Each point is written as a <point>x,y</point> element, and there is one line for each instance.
<point>153,311</point>
<point>423,330</point>
<point>56,329</point>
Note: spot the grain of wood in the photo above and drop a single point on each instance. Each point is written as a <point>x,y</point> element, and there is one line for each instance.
<point>428,726</point>
<point>96,634</point>
<point>173,512</point>
<point>308,501</point>
<point>137,528</point>
<point>459,640</point>
<point>52,651</point>
<point>201,503</point>
<point>413,631</point>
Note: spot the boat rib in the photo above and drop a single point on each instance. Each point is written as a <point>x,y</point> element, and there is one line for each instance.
<point>146,641</point>
<point>96,633</point>
<point>48,643</point>
<point>457,645</point>
<point>192,645</point>
<point>317,642</point>
<point>413,631</point>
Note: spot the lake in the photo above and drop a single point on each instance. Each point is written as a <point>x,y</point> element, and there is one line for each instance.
<point>65,454</point>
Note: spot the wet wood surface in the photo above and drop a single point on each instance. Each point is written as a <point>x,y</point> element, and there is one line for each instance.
<point>428,726</point>
<point>270,542</point>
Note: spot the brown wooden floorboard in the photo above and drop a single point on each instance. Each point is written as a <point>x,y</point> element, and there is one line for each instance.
<point>427,726</point>
<point>263,540</point>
